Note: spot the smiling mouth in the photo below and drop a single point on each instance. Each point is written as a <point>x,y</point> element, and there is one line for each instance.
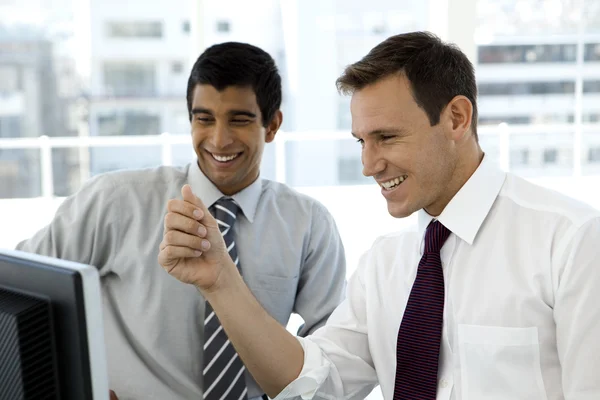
<point>224,158</point>
<point>393,183</point>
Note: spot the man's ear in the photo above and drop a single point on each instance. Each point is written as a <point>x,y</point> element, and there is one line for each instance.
<point>273,126</point>
<point>458,116</point>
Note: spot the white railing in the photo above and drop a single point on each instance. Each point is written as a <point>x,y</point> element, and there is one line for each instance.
<point>166,140</point>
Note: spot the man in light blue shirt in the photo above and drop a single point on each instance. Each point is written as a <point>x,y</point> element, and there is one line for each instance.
<point>163,341</point>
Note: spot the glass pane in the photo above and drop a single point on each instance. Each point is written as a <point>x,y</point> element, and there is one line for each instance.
<point>591,16</point>
<point>591,85</point>
<point>128,122</point>
<point>555,53</point>
<point>66,169</point>
<point>591,97</point>
<point>11,126</point>
<point>497,18</point>
<point>526,88</point>
<point>490,144</point>
<point>135,29</point>
<point>129,79</point>
<point>529,103</point>
<point>541,154</point>
<point>268,166</point>
<point>324,163</point>
<point>590,153</point>
<point>182,154</point>
<point>533,118</point>
<point>20,173</point>
<point>105,159</point>
<point>591,52</point>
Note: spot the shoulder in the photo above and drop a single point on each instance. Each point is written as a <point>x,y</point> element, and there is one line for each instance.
<point>395,240</point>
<point>147,176</point>
<point>290,200</point>
<point>545,204</point>
<point>126,182</point>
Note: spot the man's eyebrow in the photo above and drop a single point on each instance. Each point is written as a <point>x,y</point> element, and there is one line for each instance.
<point>242,113</point>
<point>245,113</point>
<point>381,131</point>
<point>201,110</point>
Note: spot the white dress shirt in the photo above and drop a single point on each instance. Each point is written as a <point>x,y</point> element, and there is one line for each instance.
<point>522,309</point>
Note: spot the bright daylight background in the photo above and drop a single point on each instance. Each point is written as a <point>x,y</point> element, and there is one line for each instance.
<point>98,85</point>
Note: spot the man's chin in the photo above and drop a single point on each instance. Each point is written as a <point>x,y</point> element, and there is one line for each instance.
<point>399,210</point>
<point>219,179</point>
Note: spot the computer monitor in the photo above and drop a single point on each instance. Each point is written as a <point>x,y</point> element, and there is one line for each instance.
<point>51,330</point>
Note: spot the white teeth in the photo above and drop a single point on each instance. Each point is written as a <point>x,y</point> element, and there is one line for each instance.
<point>224,158</point>
<point>393,183</point>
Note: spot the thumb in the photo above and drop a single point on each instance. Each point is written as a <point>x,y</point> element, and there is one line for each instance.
<point>190,197</point>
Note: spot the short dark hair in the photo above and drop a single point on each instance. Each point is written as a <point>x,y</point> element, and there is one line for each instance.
<point>238,64</point>
<point>437,72</point>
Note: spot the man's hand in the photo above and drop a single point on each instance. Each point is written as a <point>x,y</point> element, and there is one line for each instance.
<point>113,396</point>
<point>193,250</point>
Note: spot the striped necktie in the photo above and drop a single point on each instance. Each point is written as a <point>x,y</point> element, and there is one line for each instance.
<point>420,333</point>
<point>223,369</point>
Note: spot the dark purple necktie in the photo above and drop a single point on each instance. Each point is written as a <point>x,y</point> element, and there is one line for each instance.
<point>420,334</point>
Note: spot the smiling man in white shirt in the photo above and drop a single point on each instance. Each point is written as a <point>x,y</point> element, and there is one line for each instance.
<point>494,295</point>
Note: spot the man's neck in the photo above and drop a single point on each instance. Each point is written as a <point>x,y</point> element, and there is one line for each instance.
<point>467,166</point>
<point>233,190</point>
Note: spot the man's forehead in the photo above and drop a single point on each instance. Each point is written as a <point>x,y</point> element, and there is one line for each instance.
<point>235,95</point>
<point>392,87</point>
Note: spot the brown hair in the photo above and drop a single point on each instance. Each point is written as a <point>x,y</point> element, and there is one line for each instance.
<point>437,72</point>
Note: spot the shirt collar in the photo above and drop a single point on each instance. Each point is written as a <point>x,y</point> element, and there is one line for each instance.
<point>202,187</point>
<point>467,210</point>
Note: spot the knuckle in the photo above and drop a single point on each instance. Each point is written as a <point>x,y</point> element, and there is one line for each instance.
<point>192,225</point>
<point>169,220</point>
<point>170,237</point>
<point>189,209</point>
<point>197,243</point>
<point>169,252</point>
<point>172,205</point>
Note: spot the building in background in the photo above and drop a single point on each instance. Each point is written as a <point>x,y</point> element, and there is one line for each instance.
<point>537,68</point>
<point>28,106</point>
<point>135,92</point>
<point>139,63</point>
<point>258,22</point>
<point>539,73</point>
<point>39,93</point>
<point>321,39</point>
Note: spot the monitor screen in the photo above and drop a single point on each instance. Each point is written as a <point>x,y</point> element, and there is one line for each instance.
<point>51,330</point>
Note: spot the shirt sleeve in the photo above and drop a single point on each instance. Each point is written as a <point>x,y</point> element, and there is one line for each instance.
<point>84,228</point>
<point>337,360</point>
<point>322,282</point>
<point>577,312</point>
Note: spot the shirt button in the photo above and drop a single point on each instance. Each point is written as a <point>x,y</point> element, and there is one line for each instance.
<point>444,383</point>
